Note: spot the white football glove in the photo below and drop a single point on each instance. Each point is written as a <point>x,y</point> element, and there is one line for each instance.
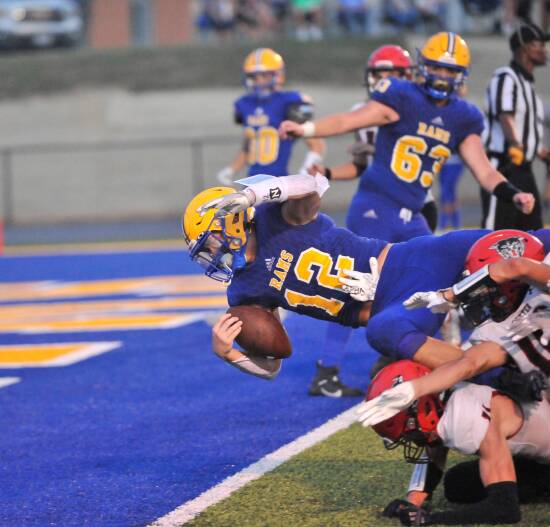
<point>386,405</point>
<point>225,176</point>
<point>433,300</point>
<point>527,325</point>
<point>361,286</point>
<point>312,158</point>
<point>232,203</point>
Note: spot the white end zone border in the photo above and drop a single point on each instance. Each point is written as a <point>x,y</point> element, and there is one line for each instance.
<point>8,381</point>
<point>193,508</point>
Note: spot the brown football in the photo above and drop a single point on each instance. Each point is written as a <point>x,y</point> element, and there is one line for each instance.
<point>262,333</point>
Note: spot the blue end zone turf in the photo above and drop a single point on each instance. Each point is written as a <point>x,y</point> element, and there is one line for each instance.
<point>122,438</point>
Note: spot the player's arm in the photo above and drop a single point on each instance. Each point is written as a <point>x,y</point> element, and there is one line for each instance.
<point>474,361</point>
<point>372,114</point>
<point>224,332</point>
<point>299,193</point>
<point>425,478</point>
<point>472,152</point>
<point>522,269</point>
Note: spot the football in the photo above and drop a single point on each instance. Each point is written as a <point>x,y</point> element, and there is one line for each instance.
<point>262,333</point>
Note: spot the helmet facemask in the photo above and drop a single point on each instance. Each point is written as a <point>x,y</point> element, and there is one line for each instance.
<point>262,90</point>
<point>221,249</point>
<point>440,87</point>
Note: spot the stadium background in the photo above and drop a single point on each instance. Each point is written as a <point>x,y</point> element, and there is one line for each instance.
<point>115,410</point>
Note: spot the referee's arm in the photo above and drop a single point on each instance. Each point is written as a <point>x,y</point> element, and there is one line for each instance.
<point>472,152</point>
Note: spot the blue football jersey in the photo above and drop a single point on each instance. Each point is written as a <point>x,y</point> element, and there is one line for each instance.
<point>411,151</point>
<point>297,267</point>
<point>261,117</point>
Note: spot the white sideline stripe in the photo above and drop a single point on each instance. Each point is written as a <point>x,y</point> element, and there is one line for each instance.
<point>8,381</point>
<point>194,507</point>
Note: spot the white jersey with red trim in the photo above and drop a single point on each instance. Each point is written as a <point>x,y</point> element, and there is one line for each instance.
<point>467,416</point>
<point>524,334</point>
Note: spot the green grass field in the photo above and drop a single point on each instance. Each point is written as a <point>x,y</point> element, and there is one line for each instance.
<point>344,481</point>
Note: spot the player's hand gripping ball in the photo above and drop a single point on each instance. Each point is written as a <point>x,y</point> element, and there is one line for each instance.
<point>262,333</point>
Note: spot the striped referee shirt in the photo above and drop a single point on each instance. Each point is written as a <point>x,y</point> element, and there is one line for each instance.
<point>511,90</point>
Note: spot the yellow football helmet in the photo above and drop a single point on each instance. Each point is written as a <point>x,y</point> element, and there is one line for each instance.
<point>263,60</point>
<point>447,50</point>
<point>216,243</point>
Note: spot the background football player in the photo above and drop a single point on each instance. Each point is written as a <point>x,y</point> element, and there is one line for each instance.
<point>421,124</point>
<point>474,419</point>
<point>286,254</point>
<point>261,111</point>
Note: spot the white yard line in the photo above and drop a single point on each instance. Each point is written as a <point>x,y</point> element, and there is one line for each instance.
<point>193,508</point>
<point>8,381</point>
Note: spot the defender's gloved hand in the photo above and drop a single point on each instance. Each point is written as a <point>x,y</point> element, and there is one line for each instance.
<point>233,203</point>
<point>433,300</point>
<point>386,405</point>
<point>393,507</point>
<point>361,286</point>
<point>225,176</point>
<point>523,387</point>
<point>414,515</point>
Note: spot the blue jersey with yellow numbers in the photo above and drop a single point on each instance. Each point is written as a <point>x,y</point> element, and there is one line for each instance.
<point>296,267</point>
<point>261,117</point>
<point>411,151</point>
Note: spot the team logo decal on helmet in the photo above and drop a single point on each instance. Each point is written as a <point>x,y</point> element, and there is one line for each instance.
<point>216,243</point>
<point>259,62</point>
<point>443,50</point>
<point>510,247</point>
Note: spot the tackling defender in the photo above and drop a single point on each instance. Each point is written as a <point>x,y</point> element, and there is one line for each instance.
<point>260,112</point>
<point>515,328</point>
<point>474,419</point>
<point>421,125</point>
<point>284,253</point>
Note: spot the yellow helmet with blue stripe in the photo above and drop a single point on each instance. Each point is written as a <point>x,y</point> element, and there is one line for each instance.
<point>217,243</point>
<point>444,50</point>
<point>263,60</point>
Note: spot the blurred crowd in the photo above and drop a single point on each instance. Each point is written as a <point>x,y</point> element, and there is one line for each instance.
<point>313,19</point>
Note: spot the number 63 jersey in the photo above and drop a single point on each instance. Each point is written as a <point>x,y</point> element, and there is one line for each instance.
<point>525,334</point>
<point>411,151</point>
<point>297,267</point>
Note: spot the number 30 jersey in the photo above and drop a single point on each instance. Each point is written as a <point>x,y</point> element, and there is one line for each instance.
<point>411,151</point>
<point>261,117</point>
<point>297,268</point>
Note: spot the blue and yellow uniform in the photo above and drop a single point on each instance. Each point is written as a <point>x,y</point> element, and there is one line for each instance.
<point>296,267</point>
<point>261,117</point>
<point>409,155</point>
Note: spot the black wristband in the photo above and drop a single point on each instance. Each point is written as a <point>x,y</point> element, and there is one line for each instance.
<point>328,173</point>
<point>505,191</point>
<point>360,168</point>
